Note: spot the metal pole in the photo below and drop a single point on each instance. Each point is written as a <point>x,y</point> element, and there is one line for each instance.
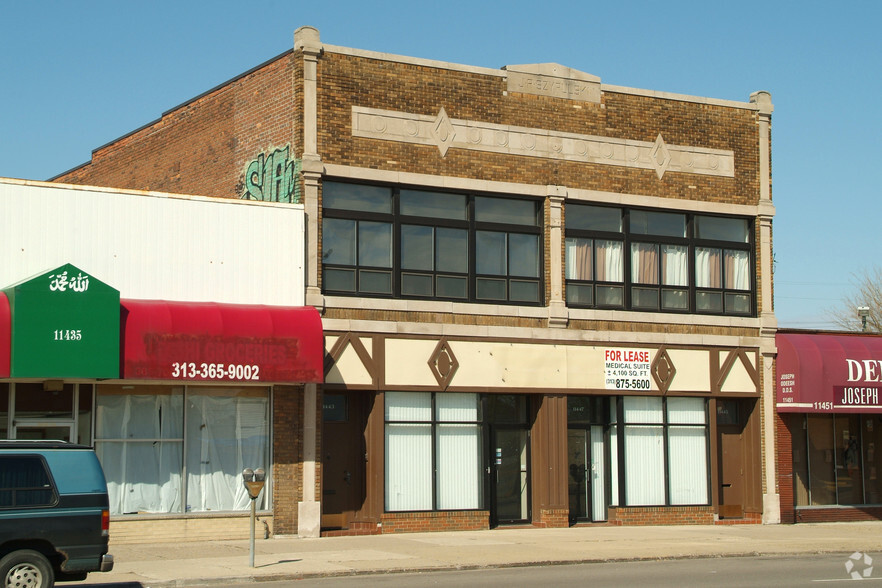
<point>251,559</point>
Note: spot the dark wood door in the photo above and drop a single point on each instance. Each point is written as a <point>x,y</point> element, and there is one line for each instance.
<point>731,450</point>
<point>343,451</point>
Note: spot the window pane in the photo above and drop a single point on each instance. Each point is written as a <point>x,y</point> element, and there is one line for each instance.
<point>452,250</point>
<point>523,291</point>
<point>643,409</point>
<point>644,263</point>
<point>686,411</point>
<point>226,428</point>
<point>463,407</point>
<point>644,298</point>
<point>339,280</point>
<point>736,270</point>
<point>687,458</point>
<point>610,296</point>
<point>433,204</point>
<point>523,255</point>
<point>408,466</point>
<point>609,262</point>
<point>822,459</point>
<point>507,408</point>
<point>707,268</point>
<point>580,294</point>
<point>872,441</point>
<point>490,253</point>
<point>417,247</point>
<point>459,466</point>
<point>709,301</point>
<point>674,299</point>
<point>675,265</point>
<point>490,289</point>
<point>666,224</point>
<point>721,229</point>
<point>356,197</point>
<point>451,287</point>
<point>375,244</point>
<point>578,259</point>
<point>408,406</point>
<point>738,303</point>
<point>506,210</point>
<point>416,285</point>
<point>338,241</point>
<point>849,476</point>
<point>644,465</point>
<point>375,282</point>
<point>593,218</point>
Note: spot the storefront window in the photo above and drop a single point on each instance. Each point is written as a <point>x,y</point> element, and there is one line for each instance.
<point>842,463</point>
<point>665,451</point>
<point>428,432</point>
<point>141,432</point>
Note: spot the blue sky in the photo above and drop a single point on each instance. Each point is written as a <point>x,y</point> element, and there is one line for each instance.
<point>77,75</point>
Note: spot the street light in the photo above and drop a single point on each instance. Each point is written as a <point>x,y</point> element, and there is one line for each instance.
<point>863,312</point>
<point>254,481</point>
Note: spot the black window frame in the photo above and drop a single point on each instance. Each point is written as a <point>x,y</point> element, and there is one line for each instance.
<point>627,238</point>
<point>434,424</point>
<point>621,427</point>
<point>512,281</point>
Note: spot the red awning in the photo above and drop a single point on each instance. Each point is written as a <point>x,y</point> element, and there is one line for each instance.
<point>829,373</point>
<point>5,335</point>
<point>204,341</point>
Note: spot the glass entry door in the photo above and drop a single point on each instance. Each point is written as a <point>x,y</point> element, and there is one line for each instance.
<point>509,476</point>
<point>587,474</point>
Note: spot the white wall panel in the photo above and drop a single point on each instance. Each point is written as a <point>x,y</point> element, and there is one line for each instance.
<point>155,246</point>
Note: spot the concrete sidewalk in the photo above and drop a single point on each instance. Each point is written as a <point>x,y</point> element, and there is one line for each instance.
<point>219,562</point>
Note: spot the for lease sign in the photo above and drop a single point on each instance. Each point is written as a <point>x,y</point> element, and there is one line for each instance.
<point>627,369</point>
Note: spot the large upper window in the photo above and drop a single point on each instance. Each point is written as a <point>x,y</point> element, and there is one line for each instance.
<point>658,261</point>
<point>403,243</point>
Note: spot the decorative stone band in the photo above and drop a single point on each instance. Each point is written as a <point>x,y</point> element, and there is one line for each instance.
<point>446,133</point>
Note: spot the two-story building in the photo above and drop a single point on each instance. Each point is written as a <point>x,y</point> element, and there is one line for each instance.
<point>546,300</point>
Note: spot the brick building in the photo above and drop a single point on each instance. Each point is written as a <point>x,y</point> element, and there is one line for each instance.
<point>546,300</point>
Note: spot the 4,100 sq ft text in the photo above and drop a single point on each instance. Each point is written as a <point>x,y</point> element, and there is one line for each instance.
<point>215,371</point>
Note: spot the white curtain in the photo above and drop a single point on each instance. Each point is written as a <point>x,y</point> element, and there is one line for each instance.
<point>737,270</point>
<point>609,261</point>
<point>226,433</point>
<point>675,267</point>
<point>687,450</point>
<point>644,263</point>
<point>139,443</point>
<point>578,259</point>
<point>408,451</point>
<point>707,268</point>
<point>644,452</point>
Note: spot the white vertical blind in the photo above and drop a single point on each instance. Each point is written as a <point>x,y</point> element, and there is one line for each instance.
<point>644,451</point>
<point>408,466</point>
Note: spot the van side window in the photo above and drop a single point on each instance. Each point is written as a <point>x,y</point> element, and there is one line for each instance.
<point>24,481</point>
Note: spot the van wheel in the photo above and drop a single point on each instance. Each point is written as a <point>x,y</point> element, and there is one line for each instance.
<point>26,569</point>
